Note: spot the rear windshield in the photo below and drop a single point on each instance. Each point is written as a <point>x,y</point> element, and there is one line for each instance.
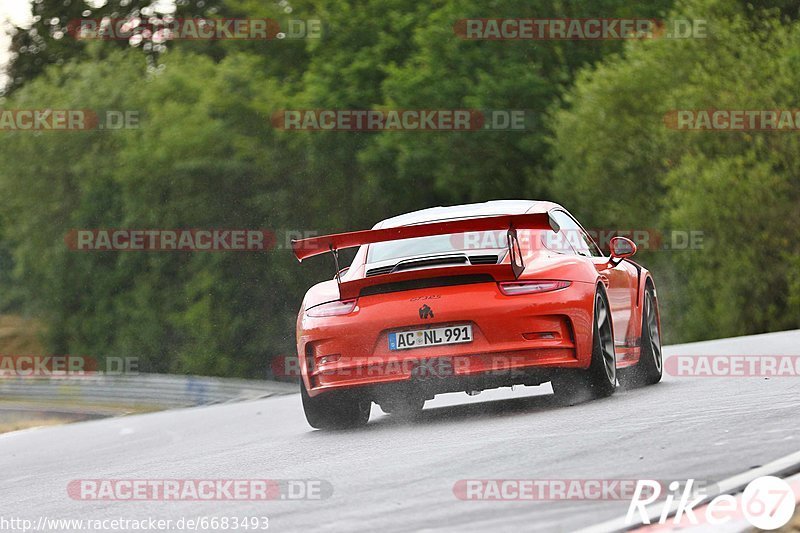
<point>437,244</point>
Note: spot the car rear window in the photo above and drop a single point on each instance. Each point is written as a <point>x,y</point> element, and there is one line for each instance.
<point>437,244</point>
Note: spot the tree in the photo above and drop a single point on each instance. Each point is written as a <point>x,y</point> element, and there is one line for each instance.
<point>740,189</point>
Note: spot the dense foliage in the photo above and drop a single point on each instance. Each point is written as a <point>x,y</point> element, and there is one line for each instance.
<point>206,155</point>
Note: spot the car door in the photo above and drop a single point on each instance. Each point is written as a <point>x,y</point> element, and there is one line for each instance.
<point>617,278</point>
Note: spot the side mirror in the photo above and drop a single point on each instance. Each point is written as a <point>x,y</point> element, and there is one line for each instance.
<point>622,247</point>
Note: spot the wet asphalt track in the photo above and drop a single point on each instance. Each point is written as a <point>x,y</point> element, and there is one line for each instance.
<point>399,477</point>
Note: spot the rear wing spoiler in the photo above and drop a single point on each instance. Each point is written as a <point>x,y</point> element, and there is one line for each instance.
<point>305,248</point>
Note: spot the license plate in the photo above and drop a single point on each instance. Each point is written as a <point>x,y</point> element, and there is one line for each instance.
<point>420,338</point>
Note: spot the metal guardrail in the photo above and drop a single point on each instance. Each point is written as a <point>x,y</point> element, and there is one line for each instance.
<point>140,390</point>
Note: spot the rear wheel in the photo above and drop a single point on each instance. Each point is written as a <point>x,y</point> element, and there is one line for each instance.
<point>600,379</point>
<point>650,367</point>
<point>335,409</point>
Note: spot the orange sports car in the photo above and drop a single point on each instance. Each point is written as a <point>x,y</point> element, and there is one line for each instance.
<point>467,298</point>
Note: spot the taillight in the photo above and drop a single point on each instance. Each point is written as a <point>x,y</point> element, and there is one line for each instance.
<point>342,307</point>
<point>513,288</point>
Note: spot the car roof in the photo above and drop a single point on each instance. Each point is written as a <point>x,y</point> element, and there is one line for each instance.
<point>484,209</point>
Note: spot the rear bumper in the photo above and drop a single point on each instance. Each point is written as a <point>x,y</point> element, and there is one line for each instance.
<point>516,339</point>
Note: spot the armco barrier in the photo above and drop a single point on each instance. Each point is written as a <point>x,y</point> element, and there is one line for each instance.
<point>143,390</point>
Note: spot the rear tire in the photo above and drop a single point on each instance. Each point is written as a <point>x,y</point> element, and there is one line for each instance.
<point>600,379</point>
<point>335,409</point>
<point>649,369</point>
